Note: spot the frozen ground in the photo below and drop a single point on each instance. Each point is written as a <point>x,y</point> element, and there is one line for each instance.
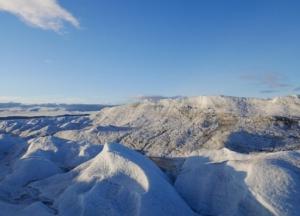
<point>181,156</point>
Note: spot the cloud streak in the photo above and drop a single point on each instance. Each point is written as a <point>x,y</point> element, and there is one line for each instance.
<point>270,82</point>
<point>44,14</point>
<point>267,80</point>
<point>268,91</point>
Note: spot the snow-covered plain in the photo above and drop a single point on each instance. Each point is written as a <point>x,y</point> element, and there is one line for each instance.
<point>181,156</point>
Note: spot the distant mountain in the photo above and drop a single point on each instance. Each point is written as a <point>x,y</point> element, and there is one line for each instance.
<point>12,109</point>
<point>68,107</point>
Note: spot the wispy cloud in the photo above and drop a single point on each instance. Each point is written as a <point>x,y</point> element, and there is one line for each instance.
<point>268,91</point>
<point>273,82</point>
<point>45,14</point>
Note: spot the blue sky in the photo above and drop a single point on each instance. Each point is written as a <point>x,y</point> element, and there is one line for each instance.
<point>110,51</point>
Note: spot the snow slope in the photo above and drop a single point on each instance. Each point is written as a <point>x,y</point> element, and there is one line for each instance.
<point>222,182</point>
<point>177,127</point>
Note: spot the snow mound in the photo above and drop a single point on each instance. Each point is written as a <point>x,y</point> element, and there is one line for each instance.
<point>118,181</point>
<point>222,182</point>
<point>37,159</point>
<point>64,153</point>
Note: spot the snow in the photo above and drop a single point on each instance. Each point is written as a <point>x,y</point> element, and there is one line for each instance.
<point>37,127</point>
<point>64,153</point>
<point>118,181</point>
<point>222,182</point>
<point>109,180</point>
<point>177,127</point>
<point>207,155</point>
<point>10,148</point>
<point>32,209</point>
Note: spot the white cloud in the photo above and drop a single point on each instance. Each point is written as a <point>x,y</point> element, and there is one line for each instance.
<point>45,14</point>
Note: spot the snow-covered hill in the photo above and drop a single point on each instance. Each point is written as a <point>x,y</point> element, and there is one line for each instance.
<point>217,156</point>
<point>176,127</point>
